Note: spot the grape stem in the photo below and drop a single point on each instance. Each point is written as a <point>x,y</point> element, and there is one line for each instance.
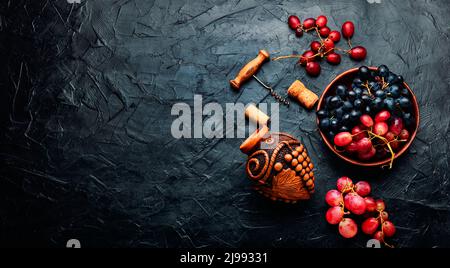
<point>349,42</point>
<point>380,217</point>
<point>321,54</point>
<point>386,142</point>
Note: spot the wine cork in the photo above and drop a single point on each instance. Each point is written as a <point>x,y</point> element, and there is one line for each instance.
<point>306,97</point>
<point>256,115</point>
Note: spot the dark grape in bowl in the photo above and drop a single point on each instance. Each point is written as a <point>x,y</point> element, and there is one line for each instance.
<point>368,116</point>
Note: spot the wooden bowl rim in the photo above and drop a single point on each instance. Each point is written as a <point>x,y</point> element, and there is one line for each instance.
<point>353,161</point>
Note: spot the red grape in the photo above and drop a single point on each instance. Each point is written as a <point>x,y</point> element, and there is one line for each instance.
<point>382,116</point>
<point>324,32</point>
<point>313,68</point>
<point>365,145</point>
<point>299,32</point>
<point>334,58</point>
<point>379,236</point>
<point>370,225</point>
<point>382,152</point>
<point>343,139</point>
<point>384,215</point>
<point>333,198</point>
<point>380,128</point>
<point>344,184</point>
<point>362,188</point>
<point>355,203</point>
<point>396,126</point>
<point>352,147</point>
<point>388,228</point>
<point>321,21</point>
<point>294,22</point>
<point>367,155</point>
<point>370,204</point>
<point>358,133</point>
<point>348,29</point>
<point>358,53</point>
<point>334,215</point>
<point>315,46</point>
<point>395,144</point>
<point>328,45</point>
<point>390,136</point>
<point>348,228</point>
<point>308,56</point>
<point>392,140</point>
<point>380,205</point>
<point>366,120</point>
<point>309,23</point>
<point>404,134</point>
<point>335,36</point>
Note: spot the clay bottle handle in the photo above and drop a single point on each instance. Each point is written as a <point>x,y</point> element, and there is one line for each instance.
<point>249,69</point>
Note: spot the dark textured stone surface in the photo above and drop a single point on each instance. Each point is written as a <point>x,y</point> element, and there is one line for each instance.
<point>86,150</point>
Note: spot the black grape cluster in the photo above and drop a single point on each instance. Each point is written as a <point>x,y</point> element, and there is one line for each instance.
<point>369,93</point>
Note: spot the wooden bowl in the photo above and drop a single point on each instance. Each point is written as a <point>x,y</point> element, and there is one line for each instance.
<point>346,78</point>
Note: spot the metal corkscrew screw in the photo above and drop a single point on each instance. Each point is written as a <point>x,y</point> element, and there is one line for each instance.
<point>273,93</point>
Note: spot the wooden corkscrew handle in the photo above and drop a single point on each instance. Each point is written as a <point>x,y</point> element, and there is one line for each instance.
<point>249,69</point>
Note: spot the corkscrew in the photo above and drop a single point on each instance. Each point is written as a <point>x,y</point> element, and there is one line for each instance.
<point>273,93</point>
<point>249,71</point>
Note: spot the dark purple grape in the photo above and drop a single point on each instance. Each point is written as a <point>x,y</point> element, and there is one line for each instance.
<point>324,124</point>
<point>347,106</point>
<point>389,103</point>
<point>404,102</point>
<point>351,95</point>
<point>321,114</point>
<point>344,129</point>
<point>405,92</point>
<point>334,124</point>
<point>346,119</point>
<point>374,86</point>
<point>331,134</point>
<point>339,113</point>
<point>341,90</point>
<point>354,115</point>
<point>327,102</point>
<point>391,79</point>
<point>357,104</point>
<point>364,72</point>
<point>408,119</point>
<point>377,103</point>
<point>383,71</point>
<point>394,91</point>
<point>357,82</point>
<point>366,99</point>
<point>336,101</point>
<point>380,93</point>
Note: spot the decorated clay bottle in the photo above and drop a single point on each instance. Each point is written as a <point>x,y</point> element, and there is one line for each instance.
<point>279,165</point>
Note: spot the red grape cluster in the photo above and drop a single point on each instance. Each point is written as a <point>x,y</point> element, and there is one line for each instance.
<point>325,46</point>
<point>354,199</point>
<point>389,131</point>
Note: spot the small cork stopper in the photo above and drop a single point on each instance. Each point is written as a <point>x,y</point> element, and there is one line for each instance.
<point>304,96</point>
<point>256,115</point>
